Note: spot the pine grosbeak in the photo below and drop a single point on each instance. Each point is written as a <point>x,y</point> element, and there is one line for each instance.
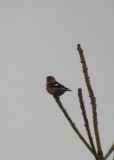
<point>55,88</point>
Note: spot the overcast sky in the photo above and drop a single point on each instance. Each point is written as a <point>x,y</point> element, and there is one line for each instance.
<point>39,38</point>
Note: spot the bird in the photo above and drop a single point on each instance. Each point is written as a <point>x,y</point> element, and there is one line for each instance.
<point>55,88</point>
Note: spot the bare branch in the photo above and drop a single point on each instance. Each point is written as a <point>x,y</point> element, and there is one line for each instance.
<point>82,106</point>
<point>109,152</point>
<point>93,100</point>
<point>73,124</point>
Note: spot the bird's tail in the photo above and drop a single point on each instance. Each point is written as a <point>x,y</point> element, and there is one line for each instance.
<point>69,89</point>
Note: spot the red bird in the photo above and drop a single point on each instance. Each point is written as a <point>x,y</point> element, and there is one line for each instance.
<point>55,88</point>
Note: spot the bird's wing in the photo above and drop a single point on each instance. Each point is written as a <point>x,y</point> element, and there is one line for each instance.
<point>55,85</point>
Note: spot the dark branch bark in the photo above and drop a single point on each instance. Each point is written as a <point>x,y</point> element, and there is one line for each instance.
<point>93,100</point>
<point>73,124</point>
<point>109,152</point>
<point>82,106</point>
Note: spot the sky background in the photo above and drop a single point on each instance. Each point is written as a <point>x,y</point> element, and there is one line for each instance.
<point>39,38</point>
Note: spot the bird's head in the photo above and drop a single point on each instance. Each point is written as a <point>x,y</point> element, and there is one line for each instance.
<point>50,79</point>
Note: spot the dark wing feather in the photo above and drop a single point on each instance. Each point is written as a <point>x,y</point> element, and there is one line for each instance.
<point>56,85</point>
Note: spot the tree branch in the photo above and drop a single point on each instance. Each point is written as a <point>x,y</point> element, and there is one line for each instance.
<point>109,152</point>
<point>73,124</point>
<point>82,106</point>
<point>93,100</point>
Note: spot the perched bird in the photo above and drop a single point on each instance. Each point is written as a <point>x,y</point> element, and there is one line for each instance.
<point>55,88</point>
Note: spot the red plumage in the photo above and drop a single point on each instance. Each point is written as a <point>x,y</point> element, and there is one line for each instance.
<point>55,88</point>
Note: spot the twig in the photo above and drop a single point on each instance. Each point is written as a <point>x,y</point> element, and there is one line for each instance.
<point>93,100</point>
<point>73,124</point>
<point>82,106</point>
<point>109,152</point>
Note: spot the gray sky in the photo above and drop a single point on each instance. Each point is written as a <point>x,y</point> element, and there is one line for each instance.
<point>39,38</point>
